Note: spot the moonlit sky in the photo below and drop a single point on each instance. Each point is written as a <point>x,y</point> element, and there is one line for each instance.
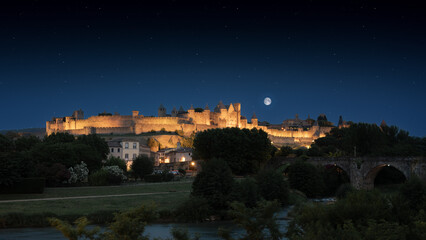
<point>362,60</point>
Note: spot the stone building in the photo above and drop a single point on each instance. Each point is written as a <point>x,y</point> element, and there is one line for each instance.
<point>291,131</point>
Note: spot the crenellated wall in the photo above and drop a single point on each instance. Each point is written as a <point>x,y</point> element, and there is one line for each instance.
<point>188,122</point>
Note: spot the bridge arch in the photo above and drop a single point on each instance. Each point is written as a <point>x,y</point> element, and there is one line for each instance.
<point>371,175</point>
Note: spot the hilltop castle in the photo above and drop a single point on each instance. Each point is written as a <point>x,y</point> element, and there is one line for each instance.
<point>291,131</point>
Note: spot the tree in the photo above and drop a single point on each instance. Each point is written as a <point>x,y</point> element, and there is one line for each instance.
<point>6,145</point>
<point>214,183</point>
<point>272,186</point>
<point>369,140</point>
<point>255,221</point>
<point>306,178</point>
<point>142,166</point>
<point>116,161</point>
<point>59,138</point>
<point>26,143</point>
<point>244,150</point>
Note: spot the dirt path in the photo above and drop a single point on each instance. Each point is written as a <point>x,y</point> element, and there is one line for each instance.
<point>87,197</point>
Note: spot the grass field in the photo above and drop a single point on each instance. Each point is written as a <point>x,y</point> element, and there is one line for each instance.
<point>168,197</point>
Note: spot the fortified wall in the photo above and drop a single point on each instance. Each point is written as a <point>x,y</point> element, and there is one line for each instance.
<point>291,131</point>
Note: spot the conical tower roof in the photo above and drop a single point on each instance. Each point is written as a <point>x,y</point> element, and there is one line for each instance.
<point>207,107</point>
<point>221,105</point>
<point>254,116</point>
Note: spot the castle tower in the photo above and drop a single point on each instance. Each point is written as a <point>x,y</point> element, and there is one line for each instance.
<point>191,112</point>
<point>340,124</point>
<point>207,114</point>
<point>78,114</point>
<point>174,112</point>
<point>135,113</point>
<point>161,111</point>
<point>254,120</point>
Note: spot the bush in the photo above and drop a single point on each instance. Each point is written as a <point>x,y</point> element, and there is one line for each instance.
<point>142,165</point>
<point>272,186</point>
<point>414,190</point>
<point>306,178</point>
<point>159,177</point>
<point>25,186</point>
<point>343,190</point>
<point>214,183</point>
<point>247,192</point>
<point>116,161</point>
<point>56,174</point>
<point>99,178</point>
<point>110,175</point>
<point>153,178</point>
<point>79,173</point>
<point>195,209</point>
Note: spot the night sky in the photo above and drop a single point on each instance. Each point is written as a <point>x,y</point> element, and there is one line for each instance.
<point>359,59</point>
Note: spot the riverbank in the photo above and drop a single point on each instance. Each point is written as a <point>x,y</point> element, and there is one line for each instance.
<point>98,204</point>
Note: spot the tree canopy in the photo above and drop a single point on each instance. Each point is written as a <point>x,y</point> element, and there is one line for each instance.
<point>365,139</point>
<point>244,150</point>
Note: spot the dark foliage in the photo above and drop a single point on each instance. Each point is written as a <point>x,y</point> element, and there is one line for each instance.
<point>195,209</point>
<point>116,161</point>
<point>365,139</point>
<point>247,192</point>
<point>214,183</point>
<point>142,166</point>
<point>56,174</point>
<point>272,186</point>
<point>362,215</point>
<point>245,151</point>
<point>305,178</point>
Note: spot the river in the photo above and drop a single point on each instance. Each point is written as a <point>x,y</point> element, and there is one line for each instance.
<point>207,231</point>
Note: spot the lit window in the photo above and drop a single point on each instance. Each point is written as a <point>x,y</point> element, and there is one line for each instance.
<point>126,156</point>
<point>126,145</point>
<point>134,145</point>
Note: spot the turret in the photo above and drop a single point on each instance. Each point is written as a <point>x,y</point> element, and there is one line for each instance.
<point>161,111</point>
<point>207,114</point>
<point>174,112</point>
<point>135,113</point>
<point>254,120</point>
<point>191,112</point>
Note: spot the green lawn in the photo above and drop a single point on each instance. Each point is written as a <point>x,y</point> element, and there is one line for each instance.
<point>175,193</point>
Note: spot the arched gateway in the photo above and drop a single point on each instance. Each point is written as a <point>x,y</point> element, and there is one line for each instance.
<point>363,171</point>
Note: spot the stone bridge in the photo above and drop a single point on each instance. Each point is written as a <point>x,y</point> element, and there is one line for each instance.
<point>363,171</point>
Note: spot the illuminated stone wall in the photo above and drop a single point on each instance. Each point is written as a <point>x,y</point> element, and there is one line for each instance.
<point>229,116</point>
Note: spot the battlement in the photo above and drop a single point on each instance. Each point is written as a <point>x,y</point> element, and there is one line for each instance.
<point>192,120</point>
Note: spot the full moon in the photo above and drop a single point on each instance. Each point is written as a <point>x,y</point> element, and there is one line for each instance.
<point>267,101</point>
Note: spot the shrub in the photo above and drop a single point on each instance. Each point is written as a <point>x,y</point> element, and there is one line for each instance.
<point>153,178</point>
<point>214,183</point>
<point>116,161</point>
<point>306,178</point>
<point>343,190</point>
<point>142,165</point>
<point>25,186</point>
<point>414,190</point>
<point>110,175</point>
<point>272,186</point>
<point>78,173</point>
<point>99,178</point>
<point>55,174</point>
<point>246,191</point>
<point>195,209</point>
